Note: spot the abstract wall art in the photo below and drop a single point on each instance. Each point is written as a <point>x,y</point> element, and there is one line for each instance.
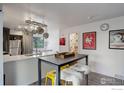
<point>73,40</point>
<point>38,42</point>
<point>116,39</point>
<point>89,40</point>
<point>62,41</point>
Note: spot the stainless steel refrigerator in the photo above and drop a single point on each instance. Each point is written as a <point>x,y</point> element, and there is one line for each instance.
<point>15,47</point>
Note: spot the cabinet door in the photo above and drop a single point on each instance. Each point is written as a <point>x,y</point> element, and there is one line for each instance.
<point>6,32</point>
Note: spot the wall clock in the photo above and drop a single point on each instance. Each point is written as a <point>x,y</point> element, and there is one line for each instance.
<point>104,27</point>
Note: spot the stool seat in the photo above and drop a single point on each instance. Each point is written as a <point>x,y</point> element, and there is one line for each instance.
<point>67,75</point>
<point>73,72</point>
<point>81,68</point>
<point>71,76</point>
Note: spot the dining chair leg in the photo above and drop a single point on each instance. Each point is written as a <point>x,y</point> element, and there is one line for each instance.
<point>52,82</point>
<point>46,80</point>
<point>86,79</point>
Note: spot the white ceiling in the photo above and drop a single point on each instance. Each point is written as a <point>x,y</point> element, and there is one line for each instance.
<point>65,15</point>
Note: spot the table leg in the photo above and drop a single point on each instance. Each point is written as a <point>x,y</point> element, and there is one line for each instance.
<point>86,60</point>
<point>58,80</point>
<point>4,79</point>
<point>86,75</point>
<point>39,72</point>
<point>86,79</point>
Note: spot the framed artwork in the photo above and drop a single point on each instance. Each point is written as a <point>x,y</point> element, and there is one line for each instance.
<point>89,40</point>
<point>38,42</point>
<point>62,41</point>
<point>73,42</point>
<point>116,39</point>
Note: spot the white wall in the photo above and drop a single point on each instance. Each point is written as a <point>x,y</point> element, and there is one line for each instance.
<point>53,40</point>
<point>1,48</point>
<point>102,60</point>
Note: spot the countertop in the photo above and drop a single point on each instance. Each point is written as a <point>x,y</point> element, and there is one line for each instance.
<point>8,58</point>
<point>15,58</point>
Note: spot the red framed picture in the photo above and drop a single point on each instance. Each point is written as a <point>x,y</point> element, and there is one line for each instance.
<point>89,40</point>
<point>62,41</point>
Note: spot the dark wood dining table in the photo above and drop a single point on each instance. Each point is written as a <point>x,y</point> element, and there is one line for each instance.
<point>57,63</point>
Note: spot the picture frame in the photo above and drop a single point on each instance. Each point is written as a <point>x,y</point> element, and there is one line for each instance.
<point>62,41</point>
<point>116,39</point>
<point>38,42</point>
<point>89,40</point>
<point>73,42</point>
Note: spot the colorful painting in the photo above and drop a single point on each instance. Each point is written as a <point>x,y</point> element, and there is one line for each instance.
<point>73,39</point>
<point>62,41</point>
<point>38,42</point>
<point>89,40</point>
<point>116,39</point>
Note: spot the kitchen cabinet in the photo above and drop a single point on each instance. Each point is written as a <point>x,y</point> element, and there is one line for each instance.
<point>6,32</point>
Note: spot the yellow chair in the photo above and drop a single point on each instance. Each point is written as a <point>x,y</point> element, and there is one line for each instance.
<point>51,75</point>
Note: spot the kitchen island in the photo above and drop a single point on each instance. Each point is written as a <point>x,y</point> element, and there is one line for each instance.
<point>22,69</point>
